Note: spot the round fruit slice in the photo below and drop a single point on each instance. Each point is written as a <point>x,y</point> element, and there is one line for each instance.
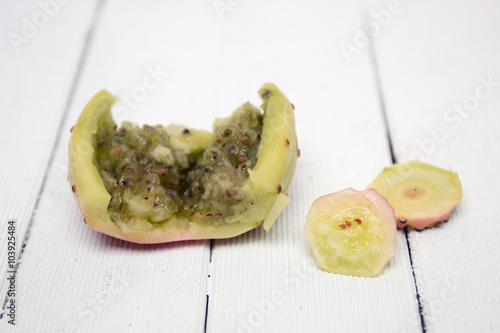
<point>422,195</point>
<point>352,232</point>
<point>153,184</point>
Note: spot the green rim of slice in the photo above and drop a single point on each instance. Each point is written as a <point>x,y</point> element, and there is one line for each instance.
<point>422,194</point>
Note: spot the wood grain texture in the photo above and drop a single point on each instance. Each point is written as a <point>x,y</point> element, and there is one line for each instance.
<point>73,279</point>
<point>189,62</point>
<point>270,283</point>
<point>434,62</point>
<point>39,61</point>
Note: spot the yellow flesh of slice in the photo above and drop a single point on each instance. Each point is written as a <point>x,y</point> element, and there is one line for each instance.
<point>421,194</point>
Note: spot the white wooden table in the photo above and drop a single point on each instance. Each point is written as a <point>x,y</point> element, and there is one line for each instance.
<point>373,83</point>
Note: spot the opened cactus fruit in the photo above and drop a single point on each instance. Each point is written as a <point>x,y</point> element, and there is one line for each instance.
<point>155,184</point>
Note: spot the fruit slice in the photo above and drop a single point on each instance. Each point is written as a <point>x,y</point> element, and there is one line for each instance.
<point>155,184</point>
<point>352,232</point>
<point>422,195</point>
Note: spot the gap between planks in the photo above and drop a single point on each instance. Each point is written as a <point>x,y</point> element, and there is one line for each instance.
<point>379,90</point>
<point>212,242</point>
<point>60,128</point>
<point>380,93</point>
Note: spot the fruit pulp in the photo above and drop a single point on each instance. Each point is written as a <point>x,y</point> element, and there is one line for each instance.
<point>352,232</point>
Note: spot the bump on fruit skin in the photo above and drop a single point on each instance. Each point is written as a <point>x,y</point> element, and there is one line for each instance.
<point>275,166</point>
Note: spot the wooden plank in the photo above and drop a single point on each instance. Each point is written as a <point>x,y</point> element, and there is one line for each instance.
<point>72,278</point>
<point>40,50</point>
<point>440,76</point>
<point>270,283</point>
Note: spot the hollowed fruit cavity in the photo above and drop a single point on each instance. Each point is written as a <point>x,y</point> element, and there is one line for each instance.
<point>422,195</point>
<point>150,178</point>
<point>352,232</point>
